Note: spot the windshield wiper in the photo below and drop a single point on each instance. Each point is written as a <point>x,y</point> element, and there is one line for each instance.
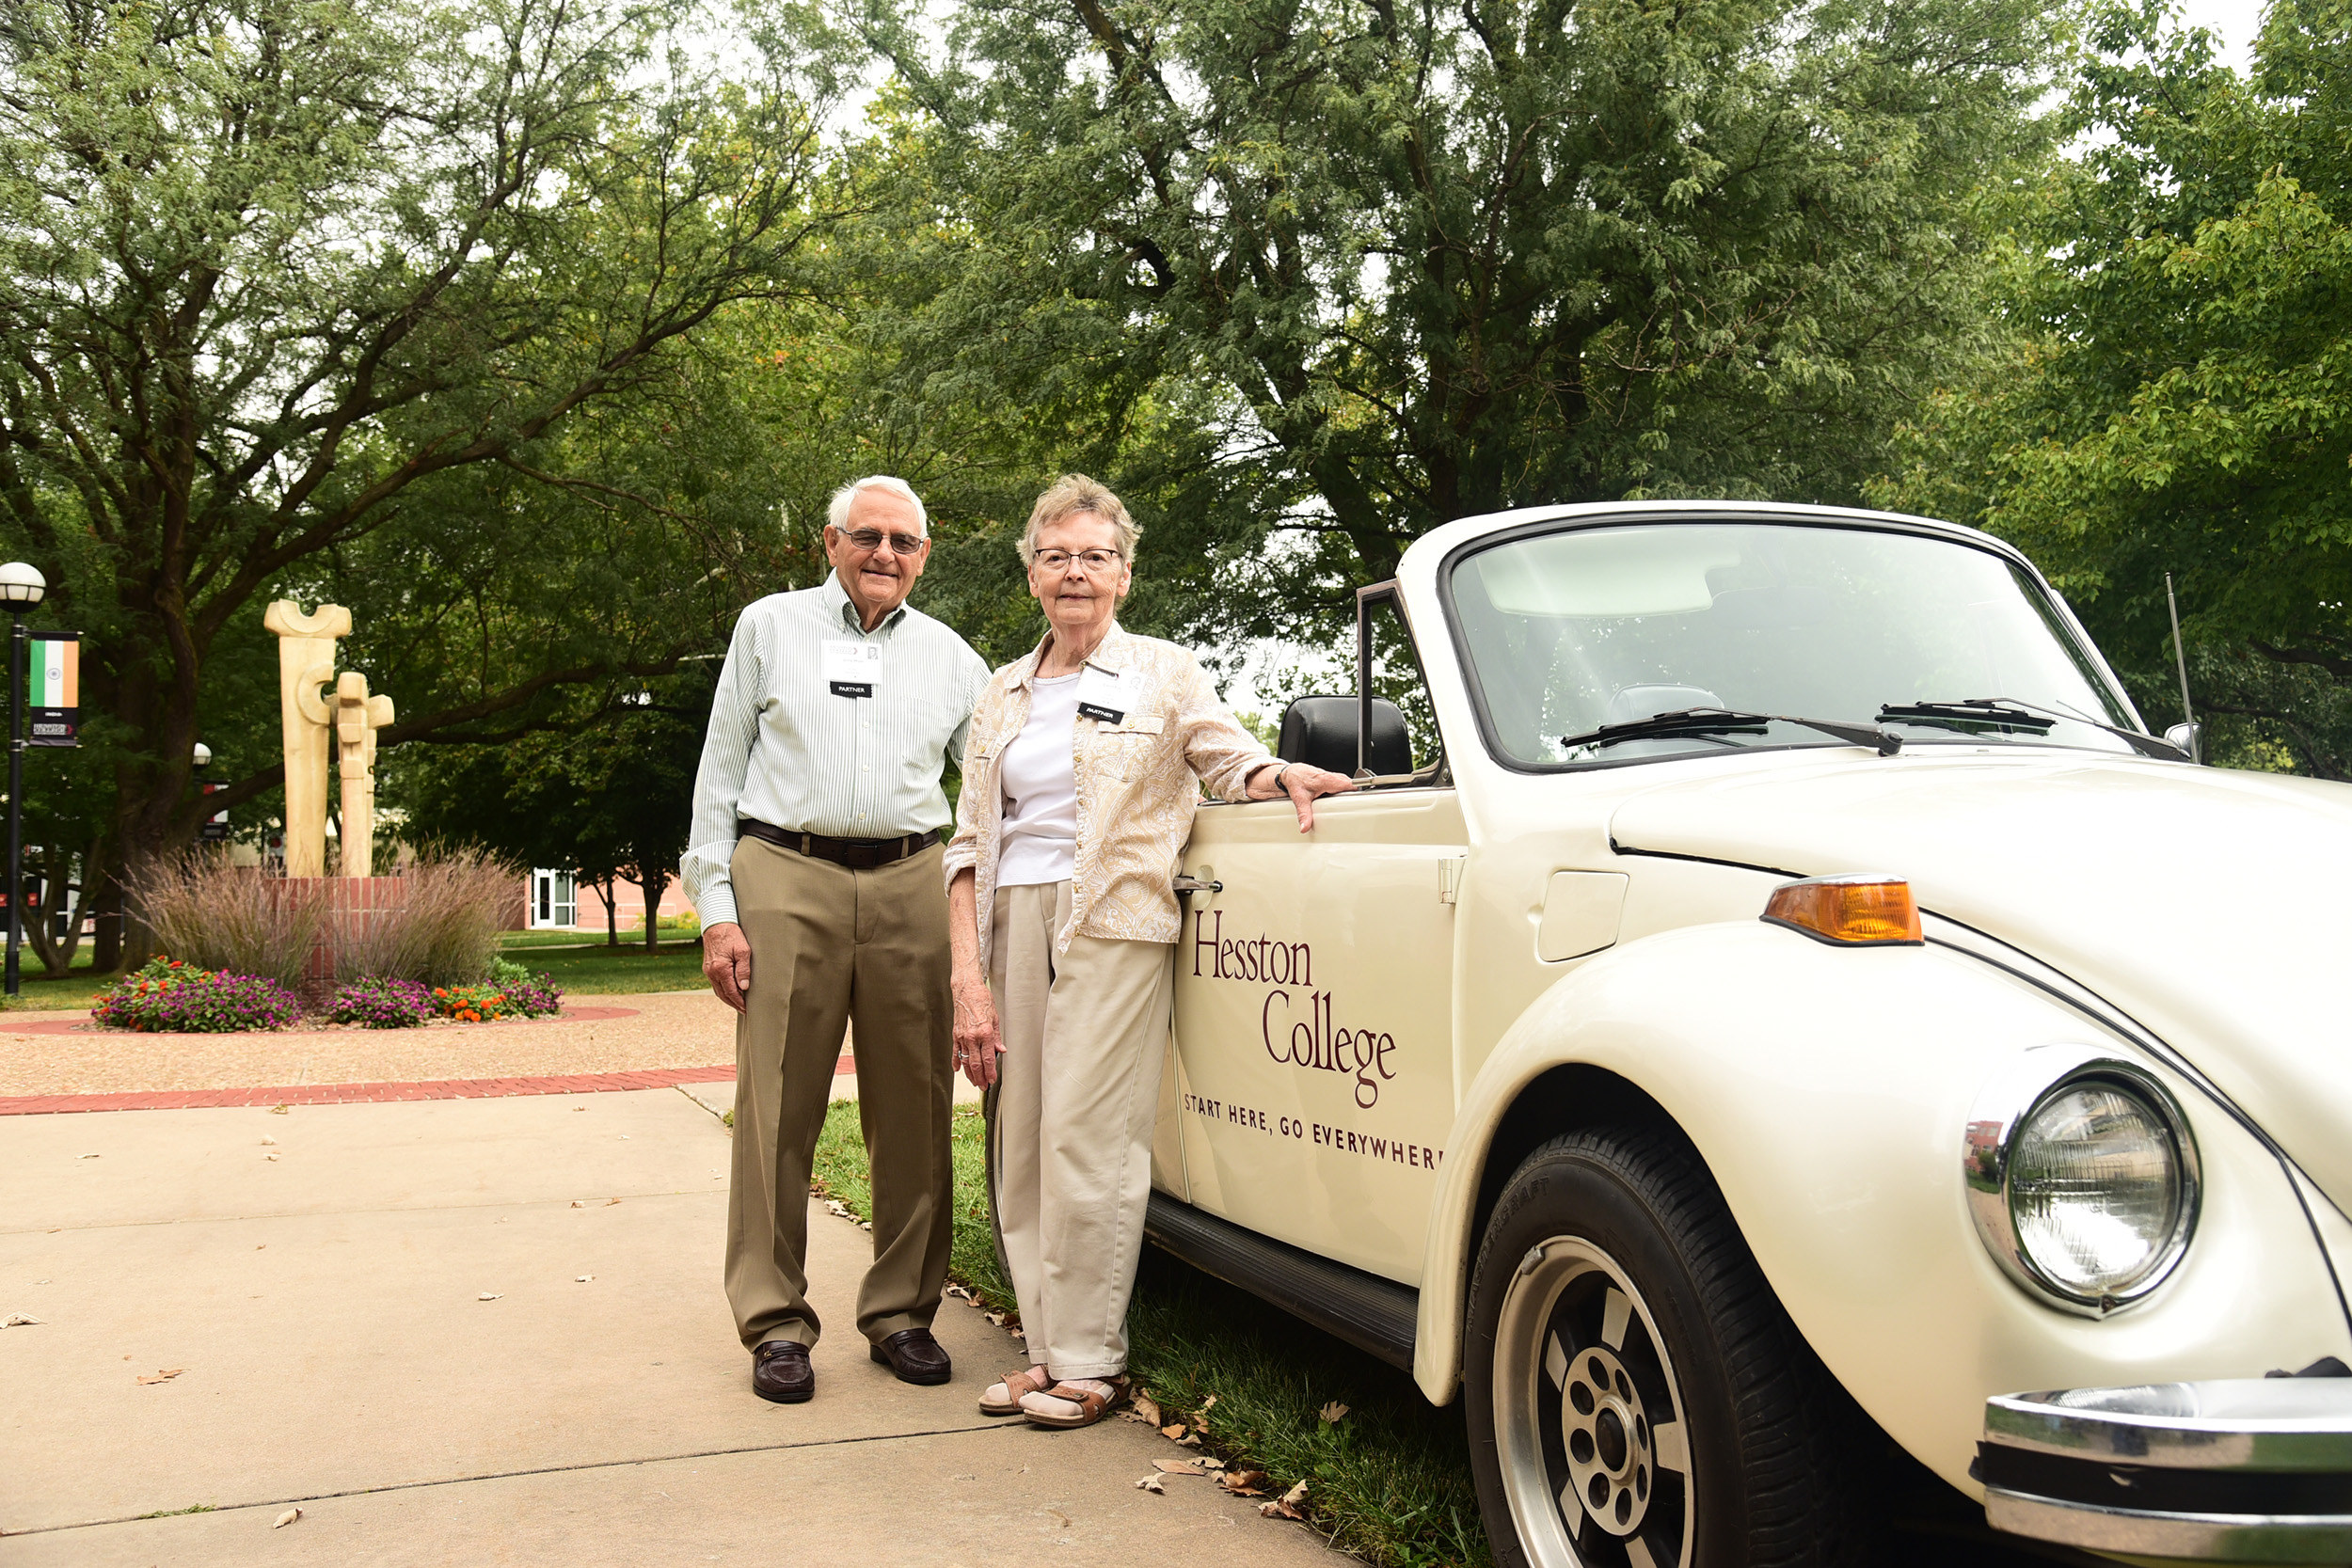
<point>2010,711</point>
<point>1971,717</point>
<point>1719,721</point>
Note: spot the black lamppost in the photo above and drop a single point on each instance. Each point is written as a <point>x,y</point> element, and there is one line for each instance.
<point>21,588</point>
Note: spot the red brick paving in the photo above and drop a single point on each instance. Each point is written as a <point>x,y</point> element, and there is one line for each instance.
<point>362,1094</point>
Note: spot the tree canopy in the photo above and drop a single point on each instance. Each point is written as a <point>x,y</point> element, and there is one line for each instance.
<point>302,297</point>
<point>1335,272</point>
<point>2178,392</point>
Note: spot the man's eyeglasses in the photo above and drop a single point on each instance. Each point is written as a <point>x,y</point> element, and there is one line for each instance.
<point>1096,562</point>
<point>871,538</point>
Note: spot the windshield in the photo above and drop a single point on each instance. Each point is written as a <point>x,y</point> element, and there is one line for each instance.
<point>1570,631</point>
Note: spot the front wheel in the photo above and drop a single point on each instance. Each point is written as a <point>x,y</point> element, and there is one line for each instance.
<point>1637,1398</point>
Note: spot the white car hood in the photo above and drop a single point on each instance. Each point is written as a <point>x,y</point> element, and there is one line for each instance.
<point>2213,906</point>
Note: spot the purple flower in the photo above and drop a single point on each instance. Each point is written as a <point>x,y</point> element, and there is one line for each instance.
<point>380,1004</point>
<point>165,998</point>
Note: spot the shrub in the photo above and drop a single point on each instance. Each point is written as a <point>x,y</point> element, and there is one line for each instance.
<point>532,997</point>
<point>380,1004</point>
<point>170,995</point>
<point>446,931</point>
<point>443,930</point>
<point>236,918</point>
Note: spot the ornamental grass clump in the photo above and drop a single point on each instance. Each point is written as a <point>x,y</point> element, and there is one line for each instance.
<point>171,996</point>
<point>377,1002</point>
<point>239,919</point>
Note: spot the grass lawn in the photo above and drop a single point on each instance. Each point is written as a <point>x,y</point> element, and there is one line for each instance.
<point>78,989</point>
<point>601,971</point>
<point>1389,1480</point>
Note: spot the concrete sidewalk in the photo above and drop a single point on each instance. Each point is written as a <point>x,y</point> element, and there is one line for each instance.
<point>326,1307</point>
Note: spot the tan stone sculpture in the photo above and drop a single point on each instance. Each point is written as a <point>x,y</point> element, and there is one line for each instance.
<point>357,716</point>
<point>306,661</point>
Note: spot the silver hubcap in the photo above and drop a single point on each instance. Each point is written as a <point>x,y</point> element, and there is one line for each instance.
<point>1588,1416</point>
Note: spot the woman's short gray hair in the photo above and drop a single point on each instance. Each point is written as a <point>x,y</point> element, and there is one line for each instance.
<point>1070,495</point>
<point>837,514</point>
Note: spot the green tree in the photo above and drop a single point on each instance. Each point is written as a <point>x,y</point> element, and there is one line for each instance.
<point>2178,393</point>
<point>608,800</point>
<point>313,296</point>
<point>1324,275</point>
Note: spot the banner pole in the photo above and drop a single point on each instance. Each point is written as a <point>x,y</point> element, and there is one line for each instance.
<point>16,798</point>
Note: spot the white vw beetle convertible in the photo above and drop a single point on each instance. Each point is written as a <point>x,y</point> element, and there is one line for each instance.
<point>1772,972</point>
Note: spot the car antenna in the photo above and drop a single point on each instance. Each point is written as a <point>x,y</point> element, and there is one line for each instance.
<point>2181,655</point>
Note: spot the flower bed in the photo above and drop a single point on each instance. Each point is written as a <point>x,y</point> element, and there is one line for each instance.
<point>169,997</point>
<point>511,992</point>
<point>379,1003</point>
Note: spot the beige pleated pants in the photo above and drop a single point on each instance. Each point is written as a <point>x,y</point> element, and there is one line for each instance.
<point>1084,1036</point>
<point>830,945</point>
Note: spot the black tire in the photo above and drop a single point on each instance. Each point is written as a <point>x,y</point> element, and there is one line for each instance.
<point>1705,1435</point>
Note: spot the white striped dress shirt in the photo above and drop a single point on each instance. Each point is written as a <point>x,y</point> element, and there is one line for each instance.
<point>784,750</point>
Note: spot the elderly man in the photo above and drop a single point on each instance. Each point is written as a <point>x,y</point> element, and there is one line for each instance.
<point>814,863</point>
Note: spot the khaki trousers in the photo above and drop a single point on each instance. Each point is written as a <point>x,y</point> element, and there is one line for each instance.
<point>828,946</point>
<point>1084,1037</point>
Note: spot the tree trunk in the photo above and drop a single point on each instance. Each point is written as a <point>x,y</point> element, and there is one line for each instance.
<point>656,883</point>
<point>57,952</point>
<point>105,907</point>
<point>608,887</point>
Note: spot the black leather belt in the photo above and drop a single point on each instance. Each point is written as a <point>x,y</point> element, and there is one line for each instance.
<point>859,854</point>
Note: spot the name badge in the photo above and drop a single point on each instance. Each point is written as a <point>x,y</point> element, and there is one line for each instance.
<point>1107,694</point>
<point>851,668</point>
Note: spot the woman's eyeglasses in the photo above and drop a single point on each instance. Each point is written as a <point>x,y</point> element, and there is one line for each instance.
<point>871,538</point>
<point>1096,562</point>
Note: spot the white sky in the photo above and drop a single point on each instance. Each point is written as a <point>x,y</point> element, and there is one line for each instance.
<point>2234,20</point>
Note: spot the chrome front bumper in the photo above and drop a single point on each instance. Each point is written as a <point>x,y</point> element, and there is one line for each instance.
<point>2237,1470</point>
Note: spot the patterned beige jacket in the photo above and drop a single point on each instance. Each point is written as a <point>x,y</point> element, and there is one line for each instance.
<point>1137,793</point>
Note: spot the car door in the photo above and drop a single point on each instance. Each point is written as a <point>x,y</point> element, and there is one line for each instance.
<point>1313,1005</point>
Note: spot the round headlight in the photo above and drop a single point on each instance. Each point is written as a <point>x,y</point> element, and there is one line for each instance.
<point>2095,1189</point>
<point>2085,1189</point>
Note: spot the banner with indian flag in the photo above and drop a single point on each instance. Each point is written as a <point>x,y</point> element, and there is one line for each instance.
<point>54,679</point>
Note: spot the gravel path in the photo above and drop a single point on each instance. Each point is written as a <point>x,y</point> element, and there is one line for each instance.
<point>666,1029</point>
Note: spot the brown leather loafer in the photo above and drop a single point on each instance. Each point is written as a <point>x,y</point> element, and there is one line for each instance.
<point>780,1371</point>
<point>914,1355</point>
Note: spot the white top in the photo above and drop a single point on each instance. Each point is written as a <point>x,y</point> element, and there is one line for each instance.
<point>1040,790</point>
<point>789,746</point>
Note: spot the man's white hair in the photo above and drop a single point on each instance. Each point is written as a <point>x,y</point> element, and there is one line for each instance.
<point>838,514</point>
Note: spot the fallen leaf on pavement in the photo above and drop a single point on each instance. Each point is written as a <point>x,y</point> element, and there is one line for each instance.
<point>489,1295</point>
<point>1152,1484</point>
<point>1243,1483</point>
<point>577,1204</point>
<point>1296,1495</point>
<point>1147,1409</point>
<point>1331,1412</point>
<point>958,1292</point>
<point>164,1374</point>
<point>1279,1508</point>
<point>286,1519</point>
<point>267,1140</point>
<point>91,1156</point>
<point>18,1319</point>
<point>1174,1434</point>
<point>1177,1468</point>
<point>1189,1440</point>
<point>582,1279</point>
<point>611,1201</point>
<point>277,1110</point>
<point>269,1156</point>
<point>1059,1517</point>
<point>1210,1462</point>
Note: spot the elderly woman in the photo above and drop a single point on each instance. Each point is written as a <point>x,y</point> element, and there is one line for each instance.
<point>1078,795</point>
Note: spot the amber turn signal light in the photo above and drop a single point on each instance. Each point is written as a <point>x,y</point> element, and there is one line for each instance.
<point>1853,912</point>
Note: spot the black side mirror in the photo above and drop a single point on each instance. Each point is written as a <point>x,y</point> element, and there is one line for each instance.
<point>1321,733</point>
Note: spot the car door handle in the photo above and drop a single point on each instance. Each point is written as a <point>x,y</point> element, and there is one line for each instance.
<point>1183,884</point>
